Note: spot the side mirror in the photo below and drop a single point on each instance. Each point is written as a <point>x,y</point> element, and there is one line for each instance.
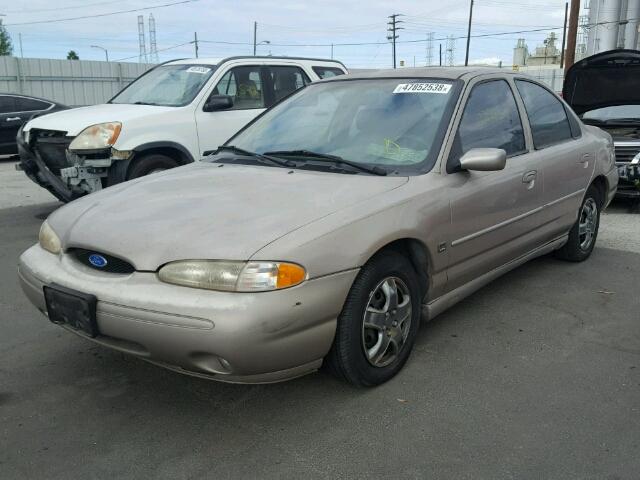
<point>218,102</point>
<point>484,159</point>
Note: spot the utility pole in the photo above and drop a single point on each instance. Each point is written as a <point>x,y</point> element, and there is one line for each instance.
<point>392,29</point>
<point>20,42</point>
<point>195,42</point>
<point>255,33</point>
<point>466,56</point>
<point>440,54</point>
<point>572,34</point>
<point>564,33</point>
<point>332,51</point>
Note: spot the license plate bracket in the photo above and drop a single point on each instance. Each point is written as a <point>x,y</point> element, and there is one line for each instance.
<point>70,307</point>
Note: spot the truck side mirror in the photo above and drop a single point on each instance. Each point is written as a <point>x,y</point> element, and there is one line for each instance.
<point>218,102</point>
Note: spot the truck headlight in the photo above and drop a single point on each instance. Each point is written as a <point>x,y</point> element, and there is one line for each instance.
<point>233,276</point>
<point>102,135</point>
<point>48,239</point>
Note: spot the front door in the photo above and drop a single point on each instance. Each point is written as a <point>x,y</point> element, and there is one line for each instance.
<point>246,85</point>
<point>494,215</point>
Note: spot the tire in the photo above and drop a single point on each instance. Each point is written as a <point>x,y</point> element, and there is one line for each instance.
<point>353,356</point>
<point>151,163</point>
<point>583,234</point>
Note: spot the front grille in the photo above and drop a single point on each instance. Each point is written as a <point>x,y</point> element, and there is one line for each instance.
<point>626,153</point>
<point>112,265</point>
<point>52,146</point>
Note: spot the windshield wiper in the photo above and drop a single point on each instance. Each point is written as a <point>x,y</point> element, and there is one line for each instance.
<point>334,159</point>
<point>146,103</point>
<point>247,153</point>
<point>622,121</point>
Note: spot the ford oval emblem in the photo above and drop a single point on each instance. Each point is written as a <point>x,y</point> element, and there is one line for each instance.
<point>97,260</point>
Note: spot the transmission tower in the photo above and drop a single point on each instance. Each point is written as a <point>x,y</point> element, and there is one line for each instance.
<point>451,50</point>
<point>143,48</point>
<point>430,49</point>
<point>153,48</point>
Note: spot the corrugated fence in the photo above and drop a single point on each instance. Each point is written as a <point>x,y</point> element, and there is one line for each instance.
<point>71,82</point>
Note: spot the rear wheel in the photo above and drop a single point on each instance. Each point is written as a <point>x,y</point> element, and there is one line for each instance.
<point>379,322</point>
<point>582,237</point>
<point>148,164</point>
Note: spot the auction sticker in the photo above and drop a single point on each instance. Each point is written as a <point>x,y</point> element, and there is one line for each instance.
<point>201,70</point>
<point>423,88</point>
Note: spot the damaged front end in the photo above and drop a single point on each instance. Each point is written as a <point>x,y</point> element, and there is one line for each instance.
<point>46,159</point>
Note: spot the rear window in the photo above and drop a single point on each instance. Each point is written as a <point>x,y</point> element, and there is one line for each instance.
<point>547,116</point>
<point>30,104</point>
<point>328,72</point>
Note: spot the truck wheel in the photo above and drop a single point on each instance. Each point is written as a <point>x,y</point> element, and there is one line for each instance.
<point>151,163</point>
<point>379,322</point>
<point>583,234</point>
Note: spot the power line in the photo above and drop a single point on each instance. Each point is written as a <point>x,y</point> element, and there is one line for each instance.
<point>100,14</point>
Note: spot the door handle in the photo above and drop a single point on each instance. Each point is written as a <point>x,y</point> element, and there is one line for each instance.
<point>530,178</point>
<point>13,119</point>
<point>584,160</point>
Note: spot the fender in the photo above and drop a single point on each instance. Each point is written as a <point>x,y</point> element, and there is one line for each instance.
<point>118,169</point>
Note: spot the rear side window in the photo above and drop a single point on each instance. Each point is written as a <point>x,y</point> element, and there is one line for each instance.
<point>328,72</point>
<point>7,104</point>
<point>547,117</point>
<point>286,80</point>
<point>30,104</point>
<point>490,120</point>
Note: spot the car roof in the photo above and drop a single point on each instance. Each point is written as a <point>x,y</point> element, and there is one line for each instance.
<point>220,61</point>
<point>452,73</point>
<point>10,94</point>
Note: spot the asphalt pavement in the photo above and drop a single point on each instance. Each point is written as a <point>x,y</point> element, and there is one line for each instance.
<point>536,376</point>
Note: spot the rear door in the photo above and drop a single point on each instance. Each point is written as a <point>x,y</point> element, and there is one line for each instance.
<point>10,122</point>
<point>565,156</point>
<point>494,215</point>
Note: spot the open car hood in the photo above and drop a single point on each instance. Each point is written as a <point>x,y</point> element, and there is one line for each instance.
<point>603,80</point>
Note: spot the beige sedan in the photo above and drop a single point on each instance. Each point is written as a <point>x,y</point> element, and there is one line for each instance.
<point>326,230</point>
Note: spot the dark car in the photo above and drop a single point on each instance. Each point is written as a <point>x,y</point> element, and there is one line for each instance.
<point>604,91</point>
<point>15,111</point>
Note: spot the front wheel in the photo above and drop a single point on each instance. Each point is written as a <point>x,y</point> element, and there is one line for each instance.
<point>379,322</point>
<point>148,164</point>
<point>583,234</point>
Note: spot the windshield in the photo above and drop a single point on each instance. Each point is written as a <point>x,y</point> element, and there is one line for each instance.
<point>396,124</point>
<point>168,85</point>
<point>613,113</point>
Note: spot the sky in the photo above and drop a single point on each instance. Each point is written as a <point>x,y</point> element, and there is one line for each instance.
<point>293,28</point>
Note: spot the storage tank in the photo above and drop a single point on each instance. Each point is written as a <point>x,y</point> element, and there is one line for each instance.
<point>604,16</point>
<point>631,29</point>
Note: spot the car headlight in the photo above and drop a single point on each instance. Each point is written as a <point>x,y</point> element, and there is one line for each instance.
<point>233,276</point>
<point>48,239</point>
<point>102,135</point>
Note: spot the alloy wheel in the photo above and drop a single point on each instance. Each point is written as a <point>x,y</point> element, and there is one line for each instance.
<point>386,321</point>
<point>588,223</point>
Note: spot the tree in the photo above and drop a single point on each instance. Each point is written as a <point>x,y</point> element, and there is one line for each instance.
<point>6,47</point>
<point>72,55</point>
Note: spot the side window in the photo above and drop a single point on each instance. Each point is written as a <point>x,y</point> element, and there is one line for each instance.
<point>548,119</point>
<point>7,104</point>
<point>490,120</point>
<point>327,72</point>
<point>286,80</point>
<point>244,84</point>
<point>30,104</point>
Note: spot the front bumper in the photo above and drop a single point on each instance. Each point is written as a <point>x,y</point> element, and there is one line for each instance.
<point>232,337</point>
<point>629,180</point>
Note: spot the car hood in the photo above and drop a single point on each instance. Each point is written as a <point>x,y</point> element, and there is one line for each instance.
<point>603,80</point>
<point>77,119</point>
<point>208,211</point>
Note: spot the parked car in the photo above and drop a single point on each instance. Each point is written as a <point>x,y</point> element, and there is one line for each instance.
<point>371,200</point>
<point>169,116</point>
<point>15,111</point>
<point>604,91</point>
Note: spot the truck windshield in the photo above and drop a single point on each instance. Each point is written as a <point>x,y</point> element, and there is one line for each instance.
<point>394,124</point>
<point>168,85</point>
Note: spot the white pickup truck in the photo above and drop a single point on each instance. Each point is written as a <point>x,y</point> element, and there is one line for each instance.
<point>167,117</point>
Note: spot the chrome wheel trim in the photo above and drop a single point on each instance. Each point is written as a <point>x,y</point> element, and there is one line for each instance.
<point>386,321</point>
<point>588,223</point>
